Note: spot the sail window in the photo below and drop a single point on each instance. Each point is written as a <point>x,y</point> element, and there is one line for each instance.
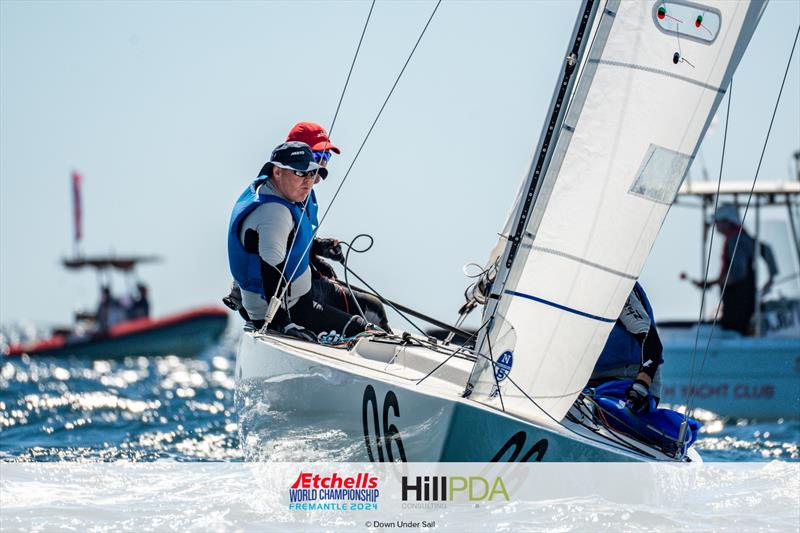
<point>687,20</point>
<point>660,174</point>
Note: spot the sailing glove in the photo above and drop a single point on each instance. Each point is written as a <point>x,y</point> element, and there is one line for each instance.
<point>299,332</point>
<point>354,326</point>
<point>323,268</point>
<point>637,397</point>
<point>234,298</point>
<point>329,248</point>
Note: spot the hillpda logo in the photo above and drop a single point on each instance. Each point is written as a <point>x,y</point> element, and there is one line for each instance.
<point>314,492</point>
<point>454,489</point>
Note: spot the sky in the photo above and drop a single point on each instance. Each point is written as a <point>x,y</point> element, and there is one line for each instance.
<point>168,110</point>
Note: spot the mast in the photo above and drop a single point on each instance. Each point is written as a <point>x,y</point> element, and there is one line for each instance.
<point>77,213</point>
<point>526,198</point>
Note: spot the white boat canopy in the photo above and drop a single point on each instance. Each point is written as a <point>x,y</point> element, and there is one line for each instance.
<point>771,192</point>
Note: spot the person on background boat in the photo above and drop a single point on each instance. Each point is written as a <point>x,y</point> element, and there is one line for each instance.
<point>739,298</point>
<point>140,306</point>
<point>109,311</point>
<point>633,351</point>
<point>269,246</point>
<point>324,280</point>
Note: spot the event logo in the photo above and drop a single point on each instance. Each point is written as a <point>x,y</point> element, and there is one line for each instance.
<point>314,492</point>
<point>454,489</point>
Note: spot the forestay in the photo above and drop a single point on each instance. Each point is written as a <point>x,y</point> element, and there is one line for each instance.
<point>649,85</point>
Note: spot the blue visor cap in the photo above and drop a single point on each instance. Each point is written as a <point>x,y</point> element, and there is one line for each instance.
<point>294,156</point>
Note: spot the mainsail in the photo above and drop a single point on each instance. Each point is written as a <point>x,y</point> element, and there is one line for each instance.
<point>650,82</point>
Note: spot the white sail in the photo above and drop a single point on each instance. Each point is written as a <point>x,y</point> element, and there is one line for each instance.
<point>650,83</point>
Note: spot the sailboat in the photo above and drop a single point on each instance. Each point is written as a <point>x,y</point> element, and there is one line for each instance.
<point>639,86</point>
<point>755,376</point>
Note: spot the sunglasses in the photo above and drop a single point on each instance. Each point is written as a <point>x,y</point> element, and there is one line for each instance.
<point>304,173</point>
<point>322,156</point>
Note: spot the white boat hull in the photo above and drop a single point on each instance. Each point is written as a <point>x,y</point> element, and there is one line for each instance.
<point>380,404</point>
<point>744,377</point>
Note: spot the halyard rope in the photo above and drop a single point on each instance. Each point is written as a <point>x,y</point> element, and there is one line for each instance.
<point>369,132</point>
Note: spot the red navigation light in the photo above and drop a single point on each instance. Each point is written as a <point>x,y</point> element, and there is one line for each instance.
<point>662,12</point>
<point>699,21</point>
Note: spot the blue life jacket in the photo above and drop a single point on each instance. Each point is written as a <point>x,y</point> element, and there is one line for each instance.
<point>245,266</point>
<point>622,347</point>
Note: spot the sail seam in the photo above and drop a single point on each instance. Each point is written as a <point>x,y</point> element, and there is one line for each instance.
<point>584,262</point>
<point>657,71</point>
<point>561,307</point>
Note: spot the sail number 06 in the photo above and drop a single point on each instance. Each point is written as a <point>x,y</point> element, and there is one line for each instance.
<point>390,433</point>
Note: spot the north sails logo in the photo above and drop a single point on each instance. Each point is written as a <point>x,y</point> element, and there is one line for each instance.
<point>502,368</point>
<point>313,492</point>
<point>503,365</point>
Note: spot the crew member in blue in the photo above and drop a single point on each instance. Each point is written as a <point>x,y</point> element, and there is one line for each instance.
<point>633,351</point>
<point>327,288</point>
<point>269,242</point>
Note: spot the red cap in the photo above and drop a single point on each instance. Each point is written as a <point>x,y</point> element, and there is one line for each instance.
<point>313,135</point>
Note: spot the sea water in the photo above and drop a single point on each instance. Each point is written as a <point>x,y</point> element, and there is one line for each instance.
<point>183,409</point>
<point>165,409</point>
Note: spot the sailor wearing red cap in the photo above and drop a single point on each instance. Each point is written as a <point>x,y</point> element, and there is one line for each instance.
<point>273,249</point>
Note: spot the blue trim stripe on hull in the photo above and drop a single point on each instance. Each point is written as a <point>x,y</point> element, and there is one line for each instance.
<point>561,307</point>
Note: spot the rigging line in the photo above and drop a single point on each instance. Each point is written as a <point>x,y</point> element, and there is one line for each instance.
<point>609,434</point>
<point>355,158</point>
<point>386,301</point>
<point>333,123</point>
<point>747,206</point>
<point>607,440</point>
<point>711,242</point>
<point>378,116</point>
<point>350,73</point>
<point>460,348</point>
<point>350,248</point>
